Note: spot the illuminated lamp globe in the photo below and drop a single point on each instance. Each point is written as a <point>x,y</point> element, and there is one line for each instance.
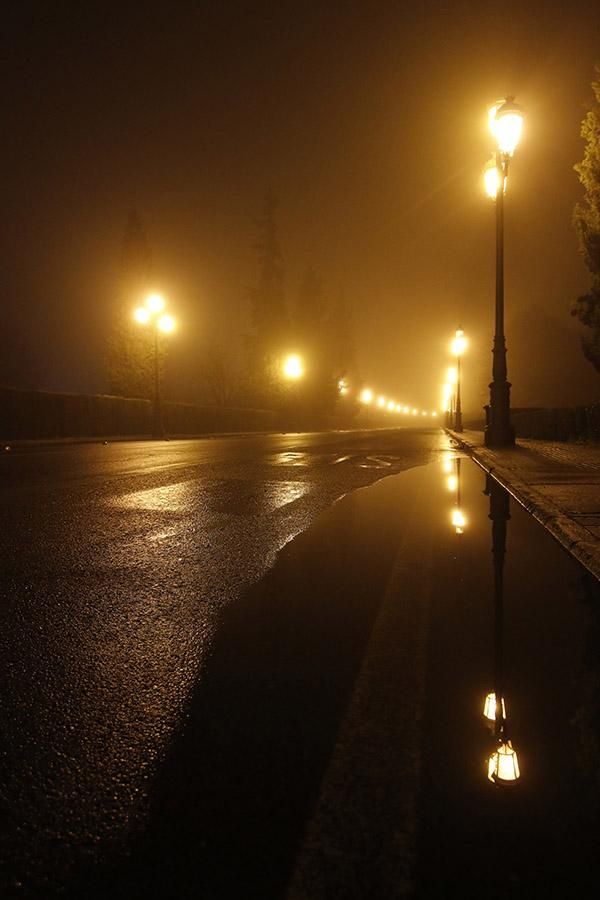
<point>366,395</point>
<point>391,406</point>
<point>155,303</point>
<point>166,324</point>
<point>141,315</point>
<point>458,520</point>
<point>507,126</point>
<point>381,402</point>
<point>292,367</point>
<point>489,707</point>
<point>459,343</point>
<point>503,765</point>
<point>491,180</point>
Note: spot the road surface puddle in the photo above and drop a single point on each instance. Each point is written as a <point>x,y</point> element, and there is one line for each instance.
<point>337,745</point>
<point>333,741</point>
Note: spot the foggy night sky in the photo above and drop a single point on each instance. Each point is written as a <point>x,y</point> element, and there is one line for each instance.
<point>369,122</point>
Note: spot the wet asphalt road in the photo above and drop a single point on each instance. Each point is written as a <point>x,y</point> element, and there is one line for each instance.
<point>123,570</point>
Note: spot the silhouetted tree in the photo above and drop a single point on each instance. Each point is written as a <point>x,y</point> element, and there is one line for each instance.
<point>129,357</point>
<point>217,374</point>
<point>587,223</point>
<point>312,338</point>
<point>341,327</point>
<point>270,322</point>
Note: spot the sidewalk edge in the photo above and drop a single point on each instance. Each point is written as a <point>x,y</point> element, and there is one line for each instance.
<point>575,538</point>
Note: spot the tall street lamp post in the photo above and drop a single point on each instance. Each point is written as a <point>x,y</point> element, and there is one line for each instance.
<point>153,314</point>
<point>506,122</point>
<point>458,348</point>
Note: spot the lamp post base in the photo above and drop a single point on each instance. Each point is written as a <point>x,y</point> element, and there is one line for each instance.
<point>499,431</point>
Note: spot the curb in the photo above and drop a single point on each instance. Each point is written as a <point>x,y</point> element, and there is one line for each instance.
<point>575,538</point>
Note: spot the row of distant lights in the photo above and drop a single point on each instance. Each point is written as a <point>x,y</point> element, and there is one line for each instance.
<point>293,369</point>
<point>367,397</point>
<point>457,348</point>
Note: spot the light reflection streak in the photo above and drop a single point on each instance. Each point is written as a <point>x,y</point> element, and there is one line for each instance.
<point>167,498</point>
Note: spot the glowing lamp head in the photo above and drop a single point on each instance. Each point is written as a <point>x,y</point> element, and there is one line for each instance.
<point>434,414</point>
<point>166,324</point>
<point>458,520</point>
<point>459,343</point>
<point>366,396</point>
<point>506,124</point>
<point>391,406</point>
<point>381,402</point>
<point>489,707</point>
<point>491,179</point>
<point>414,412</point>
<point>141,315</point>
<point>343,386</point>
<point>503,765</point>
<point>398,408</point>
<point>292,367</point>
<point>406,410</point>
<point>155,303</point>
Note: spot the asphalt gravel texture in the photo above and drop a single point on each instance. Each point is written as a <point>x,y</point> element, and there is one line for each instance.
<point>135,660</point>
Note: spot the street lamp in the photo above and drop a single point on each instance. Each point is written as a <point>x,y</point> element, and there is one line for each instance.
<point>506,123</point>
<point>458,348</point>
<point>293,367</point>
<point>152,313</point>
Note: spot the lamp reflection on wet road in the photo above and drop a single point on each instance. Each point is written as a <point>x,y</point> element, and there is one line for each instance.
<point>503,766</point>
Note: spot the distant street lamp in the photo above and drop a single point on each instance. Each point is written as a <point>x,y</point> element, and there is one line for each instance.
<point>458,348</point>
<point>366,396</point>
<point>152,313</point>
<point>506,123</point>
<point>293,367</point>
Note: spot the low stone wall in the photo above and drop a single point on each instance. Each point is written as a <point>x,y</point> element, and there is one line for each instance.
<point>42,415</point>
<point>563,424</point>
<point>575,423</point>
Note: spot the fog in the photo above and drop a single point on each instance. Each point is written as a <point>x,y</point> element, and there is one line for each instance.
<point>369,124</point>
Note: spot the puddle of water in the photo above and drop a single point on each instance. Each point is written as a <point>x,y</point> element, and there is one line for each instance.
<point>336,744</point>
<point>520,619</point>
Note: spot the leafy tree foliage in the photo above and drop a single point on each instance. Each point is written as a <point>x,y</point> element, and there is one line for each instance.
<point>129,359</point>
<point>587,224</point>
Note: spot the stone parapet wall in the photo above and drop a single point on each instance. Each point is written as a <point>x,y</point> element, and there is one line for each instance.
<point>43,415</point>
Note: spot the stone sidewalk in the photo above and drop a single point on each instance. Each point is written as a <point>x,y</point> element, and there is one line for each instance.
<point>558,483</point>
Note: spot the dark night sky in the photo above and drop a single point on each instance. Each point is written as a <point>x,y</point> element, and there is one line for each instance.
<point>368,120</point>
